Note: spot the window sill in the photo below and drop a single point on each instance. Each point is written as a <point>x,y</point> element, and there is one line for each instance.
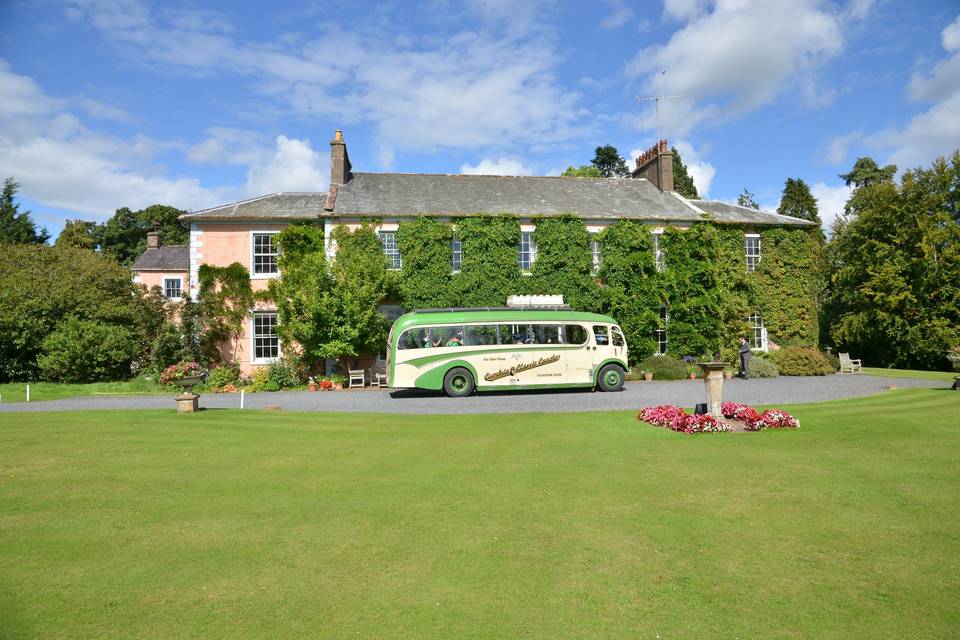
<point>264,276</point>
<point>264,361</point>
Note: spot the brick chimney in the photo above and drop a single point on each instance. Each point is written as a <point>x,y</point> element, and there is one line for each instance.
<point>339,160</point>
<point>656,165</point>
<point>153,240</point>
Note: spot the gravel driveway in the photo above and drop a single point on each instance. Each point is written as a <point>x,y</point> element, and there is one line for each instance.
<point>782,390</point>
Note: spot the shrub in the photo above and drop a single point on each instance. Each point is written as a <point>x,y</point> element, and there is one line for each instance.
<point>286,373</point>
<point>87,351</point>
<point>259,379</point>
<point>801,361</point>
<point>223,376</point>
<point>664,368</point>
<point>167,349</point>
<point>833,359</point>
<point>761,367</point>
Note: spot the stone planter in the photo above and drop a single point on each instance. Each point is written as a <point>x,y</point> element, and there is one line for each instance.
<point>693,376</point>
<point>648,376</point>
<point>313,386</point>
<point>338,386</point>
<point>728,375</point>
<point>187,401</point>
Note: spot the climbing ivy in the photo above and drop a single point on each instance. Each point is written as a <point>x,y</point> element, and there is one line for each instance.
<point>563,263</point>
<point>489,271</point>
<point>223,306</point>
<point>426,280</point>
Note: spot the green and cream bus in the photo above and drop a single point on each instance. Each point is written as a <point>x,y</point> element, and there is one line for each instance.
<point>490,349</point>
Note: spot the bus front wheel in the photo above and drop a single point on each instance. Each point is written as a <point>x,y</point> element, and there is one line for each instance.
<point>611,378</point>
<point>458,383</point>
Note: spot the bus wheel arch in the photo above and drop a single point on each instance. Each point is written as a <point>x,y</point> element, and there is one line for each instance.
<point>611,377</point>
<point>459,382</point>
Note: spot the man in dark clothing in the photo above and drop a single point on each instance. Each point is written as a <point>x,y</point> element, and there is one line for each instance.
<point>744,358</point>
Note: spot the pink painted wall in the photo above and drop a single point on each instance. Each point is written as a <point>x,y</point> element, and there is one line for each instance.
<point>151,279</point>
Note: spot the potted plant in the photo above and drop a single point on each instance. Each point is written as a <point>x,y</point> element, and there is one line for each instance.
<point>185,375</point>
<point>648,375</point>
<point>338,381</point>
<point>326,384</point>
<point>953,355</point>
<point>312,384</point>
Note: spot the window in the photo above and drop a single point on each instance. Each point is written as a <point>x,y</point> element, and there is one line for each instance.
<point>414,339</point>
<point>660,335</point>
<point>475,335</point>
<point>618,340</point>
<point>574,334</point>
<point>264,254</point>
<point>601,334</point>
<point>751,249</point>
<point>173,288</point>
<point>596,258</point>
<point>546,334</point>
<point>389,241</point>
<point>456,255</point>
<point>391,312</point>
<point>758,333</point>
<point>658,256</point>
<point>266,342</point>
<point>515,334</point>
<point>528,250</point>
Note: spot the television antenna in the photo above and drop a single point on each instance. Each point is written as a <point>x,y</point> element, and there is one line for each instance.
<point>657,99</point>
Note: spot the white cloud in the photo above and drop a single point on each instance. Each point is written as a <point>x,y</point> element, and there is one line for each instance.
<point>489,83</point>
<point>737,57</point>
<point>683,9</point>
<point>837,148</point>
<point>229,146</point>
<point>499,167</point>
<point>859,9</point>
<point>294,166</point>
<point>700,170</point>
<point>944,79</point>
<point>830,201</point>
<point>620,14</point>
<point>103,111</point>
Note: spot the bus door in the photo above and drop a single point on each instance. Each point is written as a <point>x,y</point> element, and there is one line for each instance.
<point>579,359</point>
<point>609,344</point>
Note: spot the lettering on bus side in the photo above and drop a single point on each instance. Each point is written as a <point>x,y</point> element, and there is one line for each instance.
<point>520,368</point>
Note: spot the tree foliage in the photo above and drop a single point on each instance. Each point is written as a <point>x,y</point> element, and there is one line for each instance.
<point>866,172</point>
<point>223,308</point>
<point>797,201</point>
<point>41,286</point>
<point>124,236</point>
<point>564,263</point>
<point>895,262</point>
<point>586,171</point>
<point>16,227</point>
<point>609,163</point>
<point>489,271</point>
<point>682,180</point>
<point>426,281</point>
<point>78,233</point>
<point>87,351</point>
<point>748,199</point>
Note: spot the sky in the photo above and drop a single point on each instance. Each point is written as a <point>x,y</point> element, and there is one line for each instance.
<point>127,103</point>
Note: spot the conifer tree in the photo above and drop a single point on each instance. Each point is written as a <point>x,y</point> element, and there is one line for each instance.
<point>16,227</point>
<point>682,180</point>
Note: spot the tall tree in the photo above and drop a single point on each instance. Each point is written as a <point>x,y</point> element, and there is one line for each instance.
<point>895,259</point>
<point>79,234</point>
<point>866,172</point>
<point>609,162</point>
<point>586,171</point>
<point>124,236</point>
<point>798,202</point>
<point>748,199</point>
<point>682,180</point>
<point>16,227</point>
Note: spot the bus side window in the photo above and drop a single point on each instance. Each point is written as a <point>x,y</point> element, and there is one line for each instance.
<point>479,334</point>
<point>412,339</point>
<point>547,333</point>
<point>504,334</point>
<point>617,337</point>
<point>602,334</point>
<point>574,334</point>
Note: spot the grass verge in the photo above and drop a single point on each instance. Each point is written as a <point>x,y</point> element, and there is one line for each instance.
<point>17,391</point>
<point>945,376</point>
<point>226,524</point>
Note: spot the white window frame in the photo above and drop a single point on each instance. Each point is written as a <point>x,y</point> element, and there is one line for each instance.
<point>659,257</point>
<point>385,310</point>
<point>752,259</point>
<point>456,254</point>
<point>758,332</point>
<point>395,257</point>
<point>531,251</point>
<point>596,254</point>
<point>263,276</point>
<point>253,337</point>
<point>173,298</point>
<point>662,333</point>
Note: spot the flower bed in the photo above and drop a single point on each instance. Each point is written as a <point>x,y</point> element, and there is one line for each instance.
<point>676,419</point>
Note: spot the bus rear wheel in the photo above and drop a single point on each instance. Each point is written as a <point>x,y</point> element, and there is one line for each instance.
<point>611,378</point>
<point>458,383</point>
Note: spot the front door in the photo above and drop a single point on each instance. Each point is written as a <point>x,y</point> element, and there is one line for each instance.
<point>580,357</point>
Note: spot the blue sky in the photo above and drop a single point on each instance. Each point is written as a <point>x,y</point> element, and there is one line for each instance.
<point>129,103</point>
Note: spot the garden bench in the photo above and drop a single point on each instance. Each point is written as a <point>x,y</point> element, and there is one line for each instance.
<point>378,377</point>
<point>357,377</point>
<point>848,365</point>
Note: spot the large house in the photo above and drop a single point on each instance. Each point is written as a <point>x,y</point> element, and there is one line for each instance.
<point>243,231</point>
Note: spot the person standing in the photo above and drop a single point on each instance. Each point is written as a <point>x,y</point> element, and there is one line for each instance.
<point>744,358</point>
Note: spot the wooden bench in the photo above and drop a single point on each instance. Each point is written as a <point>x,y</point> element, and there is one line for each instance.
<point>848,365</point>
<point>357,378</point>
<point>378,377</point>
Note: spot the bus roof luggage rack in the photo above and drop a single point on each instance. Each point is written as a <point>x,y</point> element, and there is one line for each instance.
<point>546,307</point>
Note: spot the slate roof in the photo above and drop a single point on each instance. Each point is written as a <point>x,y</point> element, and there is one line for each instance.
<point>413,194</point>
<point>392,195</point>
<point>735,214</point>
<point>166,258</point>
<point>275,206</point>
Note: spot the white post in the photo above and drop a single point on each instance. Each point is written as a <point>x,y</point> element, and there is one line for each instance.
<point>28,393</point>
<point>241,398</point>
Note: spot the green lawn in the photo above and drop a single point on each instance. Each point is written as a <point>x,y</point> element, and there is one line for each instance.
<point>17,391</point>
<point>226,524</point>
<point>946,376</point>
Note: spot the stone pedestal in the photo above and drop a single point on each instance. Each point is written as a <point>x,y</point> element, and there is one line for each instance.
<point>188,402</point>
<point>713,381</point>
